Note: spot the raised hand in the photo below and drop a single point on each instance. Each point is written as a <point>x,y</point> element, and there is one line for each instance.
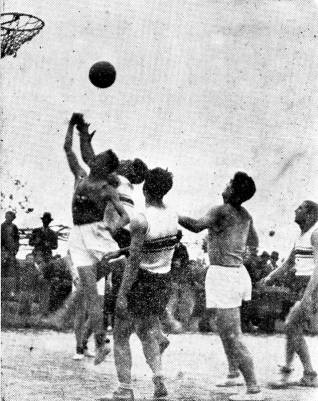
<point>77,119</point>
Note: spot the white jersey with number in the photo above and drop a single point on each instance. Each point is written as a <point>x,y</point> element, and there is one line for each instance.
<point>160,239</point>
<point>304,259</point>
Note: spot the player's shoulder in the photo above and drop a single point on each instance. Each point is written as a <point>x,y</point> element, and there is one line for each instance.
<point>314,237</point>
<point>139,223</point>
<point>245,213</point>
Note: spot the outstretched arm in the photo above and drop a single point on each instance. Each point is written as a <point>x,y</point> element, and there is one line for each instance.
<point>87,150</point>
<point>138,229</point>
<point>280,271</point>
<point>75,167</point>
<point>197,225</point>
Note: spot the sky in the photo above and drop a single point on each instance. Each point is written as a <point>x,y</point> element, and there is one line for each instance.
<point>204,88</point>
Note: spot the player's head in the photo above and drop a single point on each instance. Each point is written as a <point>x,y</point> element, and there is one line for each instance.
<point>240,189</point>
<point>179,235</point>
<point>46,219</point>
<point>10,216</point>
<point>134,170</point>
<point>158,183</point>
<point>103,164</point>
<point>307,212</point>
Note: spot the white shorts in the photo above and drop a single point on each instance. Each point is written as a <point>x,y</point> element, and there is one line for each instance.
<point>88,243</point>
<point>227,287</point>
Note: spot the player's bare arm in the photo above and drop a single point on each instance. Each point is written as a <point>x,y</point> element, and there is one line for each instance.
<point>138,229</point>
<point>74,165</point>
<point>252,239</point>
<point>87,150</point>
<point>198,225</point>
<point>110,194</point>
<point>280,271</point>
<point>313,282</point>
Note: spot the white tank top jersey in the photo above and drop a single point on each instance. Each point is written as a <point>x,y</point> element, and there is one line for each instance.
<point>125,190</point>
<point>304,259</point>
<point>126,195</point>
<point>161,238</point>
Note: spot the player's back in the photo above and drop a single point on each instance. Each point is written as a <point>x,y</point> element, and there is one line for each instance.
<point>160,239</point>
<point>89,201</point>
<point>228,236</point>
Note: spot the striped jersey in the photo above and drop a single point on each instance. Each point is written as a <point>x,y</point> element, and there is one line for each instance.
<point>304,259</point>
<point>160,240</point>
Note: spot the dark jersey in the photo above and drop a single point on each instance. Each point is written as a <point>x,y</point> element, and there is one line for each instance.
<point>89,201</point>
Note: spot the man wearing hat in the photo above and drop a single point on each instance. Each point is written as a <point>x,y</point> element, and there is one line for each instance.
<point>44,240</point>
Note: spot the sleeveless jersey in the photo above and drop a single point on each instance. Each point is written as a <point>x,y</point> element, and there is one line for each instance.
<point>87,207</point>
<point>304,259</point>
<point>125,191</point>
<point>160,240</point>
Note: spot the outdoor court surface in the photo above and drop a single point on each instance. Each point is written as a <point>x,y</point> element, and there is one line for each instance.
<point>38,365</point>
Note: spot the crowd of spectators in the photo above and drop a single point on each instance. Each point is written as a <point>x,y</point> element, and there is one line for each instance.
<point>41,277</point>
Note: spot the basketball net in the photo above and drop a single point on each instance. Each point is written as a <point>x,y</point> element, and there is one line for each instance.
<point>16,29</point>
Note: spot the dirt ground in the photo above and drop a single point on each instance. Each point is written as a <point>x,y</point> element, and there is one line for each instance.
<point>37,365</point>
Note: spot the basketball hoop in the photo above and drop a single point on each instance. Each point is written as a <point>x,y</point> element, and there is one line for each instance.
<point>16,29</point>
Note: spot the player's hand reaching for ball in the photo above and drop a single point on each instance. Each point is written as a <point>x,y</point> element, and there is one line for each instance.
<point>83,131</point>
<point>76,119</point>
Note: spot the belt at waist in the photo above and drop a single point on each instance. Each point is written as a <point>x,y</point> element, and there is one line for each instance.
<point>227,267</point>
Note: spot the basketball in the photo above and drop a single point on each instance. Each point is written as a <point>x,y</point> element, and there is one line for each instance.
<point>102,74</point>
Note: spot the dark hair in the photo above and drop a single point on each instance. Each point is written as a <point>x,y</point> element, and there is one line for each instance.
<point>158,182</point>
<point>243,187</point>
<point>140,170</point>
<point>312,207</point>
<point>104,163</point>
<point>11,213</point>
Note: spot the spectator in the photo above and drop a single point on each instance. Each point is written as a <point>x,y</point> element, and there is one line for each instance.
<point>274,259</point>
<point>264,266</point>
<point>9,249</point>
<point>44,240</point>
<point>181,301</point>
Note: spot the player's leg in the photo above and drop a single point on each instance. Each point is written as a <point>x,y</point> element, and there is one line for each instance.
<point>79,322</point>
<point>148,329</point>
<point>296,344</point>
<point>123,328</point>
<point>229,327</point>
<point>95,313</point>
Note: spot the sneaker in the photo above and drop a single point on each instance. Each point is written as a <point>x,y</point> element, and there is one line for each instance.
<point>78,357</point>
<point>160,388</point>
<point>232,380</point>
<point>283,382</point>
<point>309,379</point>
<point>123,394</point>
<point>101,352</point>
<point>249,396</point>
